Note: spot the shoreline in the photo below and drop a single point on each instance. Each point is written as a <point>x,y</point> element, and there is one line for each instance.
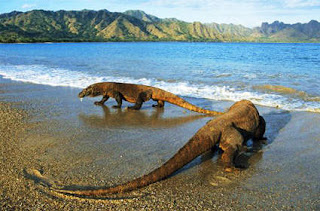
<point>160,41</point>
<point>48,129</point>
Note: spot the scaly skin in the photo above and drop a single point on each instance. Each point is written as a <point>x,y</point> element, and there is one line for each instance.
<point>230,130</point>
<point>137,94</point>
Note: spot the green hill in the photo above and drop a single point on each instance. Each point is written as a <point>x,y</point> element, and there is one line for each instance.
<point>136,25</point>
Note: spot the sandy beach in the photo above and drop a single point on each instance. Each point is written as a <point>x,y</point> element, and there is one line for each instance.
<point>50,130</point>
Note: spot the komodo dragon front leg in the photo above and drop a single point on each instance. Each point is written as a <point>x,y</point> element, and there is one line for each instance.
<point>232,145</point>
<point>116,95</point>
<point>102,101</point>
<point>160,104</point>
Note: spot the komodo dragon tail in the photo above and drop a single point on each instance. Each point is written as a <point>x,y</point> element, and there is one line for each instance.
<point>174,99</point>
<point>195,147</point>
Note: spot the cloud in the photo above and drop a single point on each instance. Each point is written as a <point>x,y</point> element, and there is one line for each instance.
<point>301,3</point>
<point>246,12</point>
<point>206,3</point>
<point>182,3</point>
<point>28,6</point>
<point>178,3</point>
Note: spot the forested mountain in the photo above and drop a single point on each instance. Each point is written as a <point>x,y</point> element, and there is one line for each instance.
<point>136,25</point>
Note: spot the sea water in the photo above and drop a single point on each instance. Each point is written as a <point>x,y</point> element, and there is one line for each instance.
<point>285,76</point>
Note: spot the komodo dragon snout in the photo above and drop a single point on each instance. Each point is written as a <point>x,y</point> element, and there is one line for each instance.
<point>89,91</point>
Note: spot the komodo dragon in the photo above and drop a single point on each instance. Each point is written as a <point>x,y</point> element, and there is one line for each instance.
<point>230,130</point>
<point>137,94</point>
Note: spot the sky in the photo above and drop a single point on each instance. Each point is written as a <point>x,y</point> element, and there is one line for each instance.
<point>248,13</point>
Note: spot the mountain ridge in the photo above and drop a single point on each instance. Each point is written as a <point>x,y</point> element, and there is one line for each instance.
<point>136,25</point>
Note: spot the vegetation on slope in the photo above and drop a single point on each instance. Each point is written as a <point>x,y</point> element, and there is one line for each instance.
<point>135,25</point>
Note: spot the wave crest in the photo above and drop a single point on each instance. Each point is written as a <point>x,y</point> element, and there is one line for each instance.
<point>288,91</point>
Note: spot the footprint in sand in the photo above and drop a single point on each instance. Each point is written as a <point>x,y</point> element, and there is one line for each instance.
<point>219,181</point>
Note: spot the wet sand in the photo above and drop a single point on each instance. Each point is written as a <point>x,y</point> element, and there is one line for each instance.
<point>50,130</point>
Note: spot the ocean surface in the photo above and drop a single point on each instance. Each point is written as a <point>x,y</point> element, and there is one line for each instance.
<point>285,76</point>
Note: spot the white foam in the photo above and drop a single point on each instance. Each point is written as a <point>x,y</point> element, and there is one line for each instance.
<point>41,74</point>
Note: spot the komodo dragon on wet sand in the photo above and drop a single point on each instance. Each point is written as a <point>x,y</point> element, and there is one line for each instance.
<point>137,94</point>
<point>230,130</point>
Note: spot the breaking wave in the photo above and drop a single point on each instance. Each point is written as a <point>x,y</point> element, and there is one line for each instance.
<point>288,91</point>
<point>278,97</point>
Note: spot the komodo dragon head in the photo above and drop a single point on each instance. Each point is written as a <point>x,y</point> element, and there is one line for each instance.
<point>90,91</point>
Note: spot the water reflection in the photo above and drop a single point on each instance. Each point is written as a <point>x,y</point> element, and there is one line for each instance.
<point>118,118</point>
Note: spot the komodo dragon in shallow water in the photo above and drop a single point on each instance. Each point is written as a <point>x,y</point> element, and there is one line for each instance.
<point>137,94</point>
<point>230,130</point>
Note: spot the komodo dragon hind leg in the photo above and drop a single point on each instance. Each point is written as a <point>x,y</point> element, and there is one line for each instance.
<point>118,97</point>
<point>143,97</point>
<point>160,104</point>
<point>231,144</point>
<point>102,101</point>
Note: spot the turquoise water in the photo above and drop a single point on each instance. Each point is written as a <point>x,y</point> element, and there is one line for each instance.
<point>276,75</point>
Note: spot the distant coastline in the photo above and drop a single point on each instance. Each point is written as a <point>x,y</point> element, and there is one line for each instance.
<point>40,26</point>
<point>154,41</point>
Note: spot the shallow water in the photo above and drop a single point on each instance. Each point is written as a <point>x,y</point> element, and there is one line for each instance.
<point>277,75</point>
